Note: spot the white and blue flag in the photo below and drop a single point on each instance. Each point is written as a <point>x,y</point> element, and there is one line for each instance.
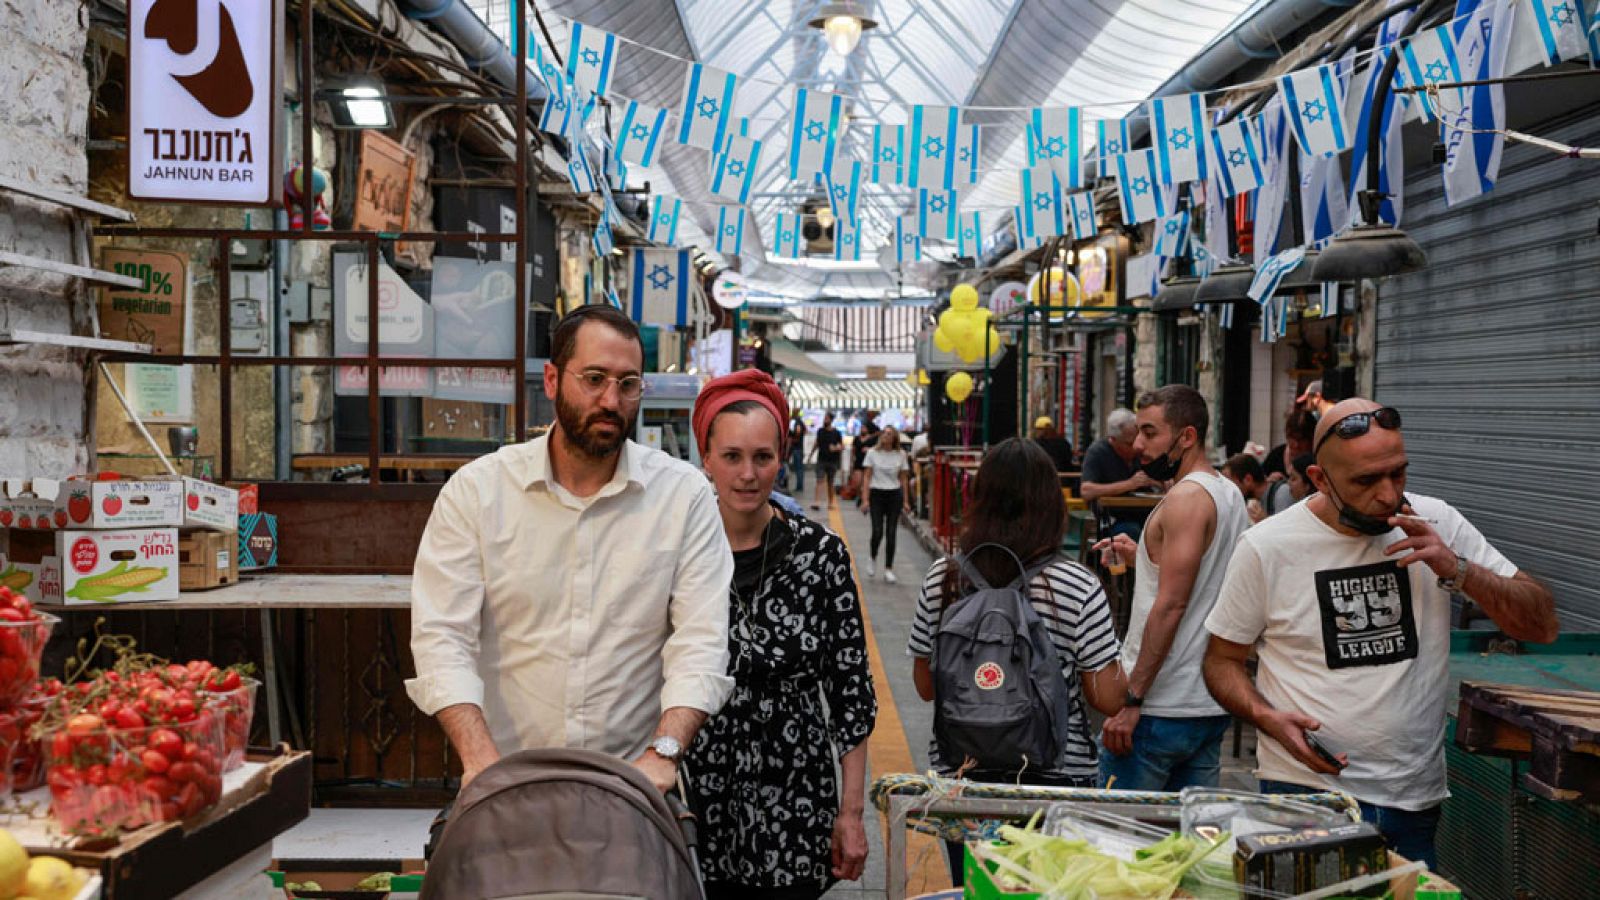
<point>888,154</point>
<point>1236,155</point>
<point>1271,271</point>
<point>603,239</point>
<point>664,214</point>
<point>936,214</point>
<point>1563,27</point>
<point>560,114</point>
<point>580,172</point>
<point>1112,140</point>
<point>1085,221</point>
<point>730,230</point>
<point>1178,130</point>
<point>787,241</point>
<point>707,107</point>
<point>1331,298</point>
<point>969,234</point>
<point>1055,139</point>
<point>1269,198</point>
<point>591,57</point>
<point>1043,208</point>
<point>1474,132</point>
<point>1024,241</point>
<point>640,133</point>
<point>814,133</point>
<point>1391,161</point>
<point>543,68</point>
<point>1314,100</point>
<point>733,173</point>
<point>907,239</point>
<point>843,184</point>
<point>931,156</point>
<point>1172,235</point>
<point>659,288</point>
<point>1139,186</point>
<point>969,148</point>
<point>846,242</point>
<point>1429,57</point>
<point>1323,206</point>
<point>1218,245</point>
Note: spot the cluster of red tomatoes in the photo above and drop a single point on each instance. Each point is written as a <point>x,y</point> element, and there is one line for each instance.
<point>23,634</point>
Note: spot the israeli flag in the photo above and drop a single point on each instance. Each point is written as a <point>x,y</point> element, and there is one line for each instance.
<point>1323,210</point>
<point>1563,27</point>
<point>815,132</point>
<point>846,242</point>
<point>640,133</point>
<point>1055,139</point>
<point>1085,222</point>
<point>1474,133</point>
<point>1042,207</point>
<point>1024,242</point>
<point>843,184</point>
<point>1429,57</point>
<point>1269,198</point>
<point>603,239</point>
<point>659,288</point>
<point>1391,164</point>
<point>888,154</point>
<point>907,239</point>
<point>936,214</point>
<point>730,230</point>
<point>1112,140</point>
<point>734,172</point>
<point>1314,100</point>
<point>1178,126</point>
<point>580,172</point>
<point>969,148</point>
<point>559,112</point>
<point>1236,155</point>
<point>1139,187</point>
<point>931,156</point>
<point>1271,272</point>
<point>787,241</point>
<point>1216,212</point>
<point>1172,235</point>
<point>1331,298</point>
<point>543,68</point>
<point>664,214</point>
<point>969,234</point>
<point>591,55</point>
<point>707,107</point>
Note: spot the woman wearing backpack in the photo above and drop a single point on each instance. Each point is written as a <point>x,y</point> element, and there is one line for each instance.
<point>775,821</point>
<point>1016,504</point>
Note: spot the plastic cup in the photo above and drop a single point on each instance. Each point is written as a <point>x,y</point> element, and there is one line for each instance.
<point>21,645</point>
<point>238,707</point>
<point>106,781</point>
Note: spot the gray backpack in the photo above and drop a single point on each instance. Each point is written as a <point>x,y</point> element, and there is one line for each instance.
<point>1000,701</point>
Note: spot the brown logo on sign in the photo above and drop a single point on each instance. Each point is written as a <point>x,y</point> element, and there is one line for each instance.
<point>223,87</point>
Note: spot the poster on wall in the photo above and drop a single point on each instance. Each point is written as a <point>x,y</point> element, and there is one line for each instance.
<point>383,194</point>
<point>474,309</point>
<point>160,393</point>
<point>152,314</point>
<point>204,87</point>
<point>405,328</point>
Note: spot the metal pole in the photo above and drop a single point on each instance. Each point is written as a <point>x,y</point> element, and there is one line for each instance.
<point>986,391</point>
<point>520,377</point>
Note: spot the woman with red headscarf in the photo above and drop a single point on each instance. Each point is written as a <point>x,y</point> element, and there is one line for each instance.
<point>775,820</point>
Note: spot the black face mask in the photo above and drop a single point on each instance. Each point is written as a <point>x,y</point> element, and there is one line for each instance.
<point>1360,521</point>
<point>1163,468</point>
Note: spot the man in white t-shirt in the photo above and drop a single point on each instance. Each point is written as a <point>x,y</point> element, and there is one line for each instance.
<point>1345,599</point>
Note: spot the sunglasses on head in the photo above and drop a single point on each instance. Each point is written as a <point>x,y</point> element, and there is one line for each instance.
<point>1357,424</point>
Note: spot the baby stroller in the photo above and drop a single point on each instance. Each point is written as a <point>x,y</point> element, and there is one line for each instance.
<point>564,823</point>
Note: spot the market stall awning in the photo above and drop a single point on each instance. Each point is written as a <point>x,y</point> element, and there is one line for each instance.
<point>796,363</point>
<point>853,395</point>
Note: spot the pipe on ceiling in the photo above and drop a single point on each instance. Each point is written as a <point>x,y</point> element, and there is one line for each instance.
<point>481,48</point>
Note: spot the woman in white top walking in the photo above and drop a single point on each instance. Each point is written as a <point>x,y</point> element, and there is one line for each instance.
<point>888,476</point>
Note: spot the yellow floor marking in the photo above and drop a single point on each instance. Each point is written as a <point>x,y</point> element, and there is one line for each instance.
<point>888,751</point>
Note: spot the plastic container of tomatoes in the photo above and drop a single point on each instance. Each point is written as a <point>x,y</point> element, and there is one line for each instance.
<point>22,642</point>
<point>106,779</point>
<point>237,702</point>
<point>27,758</point>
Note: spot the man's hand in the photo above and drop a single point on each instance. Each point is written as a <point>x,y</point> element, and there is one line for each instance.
<point>1289,729</point>
<point>849,846</point>
<point>1118,731</point>
<point>1425,545</point>
<point>1123,546</point>
<point>662,772</point>
<point>1143,482</point>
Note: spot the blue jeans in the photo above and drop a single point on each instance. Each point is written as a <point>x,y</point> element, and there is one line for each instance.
<point>1169,754</point>
<point>797,470</point>
<point>1409,833</point>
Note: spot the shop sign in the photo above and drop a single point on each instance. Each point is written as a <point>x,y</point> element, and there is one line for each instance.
<point>152,314</point>
<point>877,373</point>
<point>160,393</point>
<point>405,328</point>
<point>205,82</point>
<point>383,194</point>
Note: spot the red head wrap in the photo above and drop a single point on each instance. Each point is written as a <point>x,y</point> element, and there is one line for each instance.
<point>745,384</point>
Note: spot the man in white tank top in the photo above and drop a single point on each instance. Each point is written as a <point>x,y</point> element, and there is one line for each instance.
<point>1169,733</point>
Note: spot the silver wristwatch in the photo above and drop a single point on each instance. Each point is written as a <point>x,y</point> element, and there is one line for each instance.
<point>1457,583</point>
<point>667,747</point>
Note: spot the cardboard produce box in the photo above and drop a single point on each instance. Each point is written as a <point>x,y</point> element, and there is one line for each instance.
<point>31,503</point>
<point>207,505</point>
<point>39,581</point>
<point>147,503</point>
<point>207,559</point>
<point>118,566</point>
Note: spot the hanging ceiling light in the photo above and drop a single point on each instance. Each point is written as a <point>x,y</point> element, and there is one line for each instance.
<point>843,24</point>
<point>1176,294</point>
<point>1370,250</point>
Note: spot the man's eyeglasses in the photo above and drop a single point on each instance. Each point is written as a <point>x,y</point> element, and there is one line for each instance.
<point>1357,424</point>
<point>594,382</point>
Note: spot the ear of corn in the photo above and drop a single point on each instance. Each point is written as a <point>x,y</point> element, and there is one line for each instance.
<point>119,580</point>
<point>16,579</point>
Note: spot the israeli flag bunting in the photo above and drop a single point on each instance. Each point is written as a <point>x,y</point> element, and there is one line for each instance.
<point>931,154</point>
<point>707,107</point>
<point>1217,211</point>
<point>1563,27</point>
<point>907,239</point>
<point>1236,155</point>
<point>1391,164</point>
<point>664,214</point>
<point>640,133</point>
<point>1172,235</point>
<point>1055,139</point>
<point>603,239</point>
<point>591,57</point>
<point>846,242</point>
<point>1473,132</point>
<point>734,172</point>
<point>1271,272</point>
<point>969,148</point>
<point>730,230</point>
<point>888,154</point>
<point>787,241</point>
<point>1269,198</point>
<point>1204,262</point>
<point>1043,212</point>
<point>616,176</point>
<point>936,214</point>
<point>1178,126</point>
<point>815,133</point>
<point>1330,299</point>
<point>1429,57</point>
<point>558,113</point>
<point>1113,140</point>
<point>1025,241</point>
<point>843,183</point>
<point>1139,187</point>
<point>1085,222</point>
<point>580,172</point>
<point>1315,103</point>
<point>1323,209</point>
<point>659,288</point>
<point>969,234</point>
<point>543,67</point>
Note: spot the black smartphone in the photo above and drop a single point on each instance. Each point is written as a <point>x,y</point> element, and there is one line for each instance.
<point>1322,750</point>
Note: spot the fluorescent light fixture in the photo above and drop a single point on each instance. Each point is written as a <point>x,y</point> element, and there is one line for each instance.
<point>358,102</point>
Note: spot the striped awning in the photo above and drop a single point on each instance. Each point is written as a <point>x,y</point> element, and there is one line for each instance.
<point>852,395</point>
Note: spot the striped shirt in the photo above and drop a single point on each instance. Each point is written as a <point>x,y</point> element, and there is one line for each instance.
<point>1072,604</point>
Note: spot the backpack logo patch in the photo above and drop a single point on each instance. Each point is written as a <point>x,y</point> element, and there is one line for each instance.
<point>989,676</point>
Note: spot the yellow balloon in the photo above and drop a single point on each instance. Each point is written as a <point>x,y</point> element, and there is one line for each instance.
<point>958,387</point>
<point>964,297</point>
<point>922,378</point>
<point>941,339</point>
<point>981,343</point>
<point>957,326</point>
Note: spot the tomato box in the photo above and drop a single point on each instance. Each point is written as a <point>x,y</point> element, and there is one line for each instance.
<point>207,505</point>
<point>118,566</point>
<point>31,503</point>
<point>120,504</point>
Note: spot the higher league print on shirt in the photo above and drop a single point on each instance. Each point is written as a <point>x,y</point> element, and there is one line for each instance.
<point>1367,619</point>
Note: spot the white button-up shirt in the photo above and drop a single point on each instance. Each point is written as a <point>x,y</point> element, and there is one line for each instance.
<point>572,621</point>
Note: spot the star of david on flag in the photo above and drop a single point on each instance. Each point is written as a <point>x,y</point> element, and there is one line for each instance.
<point>658,290</point>
<point>1055,139</point>
<point>969,146</point>
<point>580,172</point>
<point>1085,222</point>
<point>1042,207</point>
<point>843,184</point>
<point>734,172</point>
<point>1236,155</point>
<point>907,239</point>
<point>640,133</point>
<point>888,154</point>
<point>1314,100</point>
<point>1172,235</point>
<point>1139,187</point>
<point>591,56</point>
<point>814,132</point>
<point>664,214</point>
<point>561,115</point>
<point>707,107</point>
<point>730,230</point>
<point>1112,140</point>
<point>603,239</point>
<point>1429,57</point>
<point>1178,129</point>
<point>936,214</point>
<point>1271,272</point>
<point>1564,30</point>
<point>548,73</point>
<point>931,156</point>
<point>787,241</point>
<point>969,234</point>
<point>846,242</point>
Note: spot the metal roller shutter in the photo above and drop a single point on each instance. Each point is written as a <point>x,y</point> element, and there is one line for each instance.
<point>1492,354</point>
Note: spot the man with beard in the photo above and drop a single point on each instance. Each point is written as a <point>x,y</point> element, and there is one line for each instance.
<point>1168,735</point>
<point>1345,600</point>
<point>573,591</point>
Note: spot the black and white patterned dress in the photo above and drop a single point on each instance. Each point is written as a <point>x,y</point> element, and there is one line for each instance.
<point>762,772</point>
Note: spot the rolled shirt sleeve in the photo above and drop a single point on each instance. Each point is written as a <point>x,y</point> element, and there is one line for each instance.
<point>447,593</point>
<point>694,661</point>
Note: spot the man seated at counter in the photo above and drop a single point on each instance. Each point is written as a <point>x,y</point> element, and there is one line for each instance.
<point>1111,468</point>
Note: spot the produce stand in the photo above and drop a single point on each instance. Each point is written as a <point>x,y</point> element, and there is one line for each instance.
<point>262,799</point>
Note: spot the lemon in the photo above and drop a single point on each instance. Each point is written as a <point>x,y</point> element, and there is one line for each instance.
<point>13,865</point>
<point>50,878</point>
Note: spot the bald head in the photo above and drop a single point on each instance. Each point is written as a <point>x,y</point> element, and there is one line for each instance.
<point>1339,411</point>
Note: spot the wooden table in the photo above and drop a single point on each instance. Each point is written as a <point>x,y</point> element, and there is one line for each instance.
<point>1131,501</point>
<point>309,461</point>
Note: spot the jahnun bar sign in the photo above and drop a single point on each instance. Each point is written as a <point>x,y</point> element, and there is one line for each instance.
<point>205,84</point>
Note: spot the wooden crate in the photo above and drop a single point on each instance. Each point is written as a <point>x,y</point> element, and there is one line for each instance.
<point>1558,732</point>
<point>207,559</point>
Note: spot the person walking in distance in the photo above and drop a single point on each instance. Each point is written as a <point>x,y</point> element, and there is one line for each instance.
<point>887,475</point>
<point>828,450</point>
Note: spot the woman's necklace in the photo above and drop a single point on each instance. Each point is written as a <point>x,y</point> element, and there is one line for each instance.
<point>761,576</point>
